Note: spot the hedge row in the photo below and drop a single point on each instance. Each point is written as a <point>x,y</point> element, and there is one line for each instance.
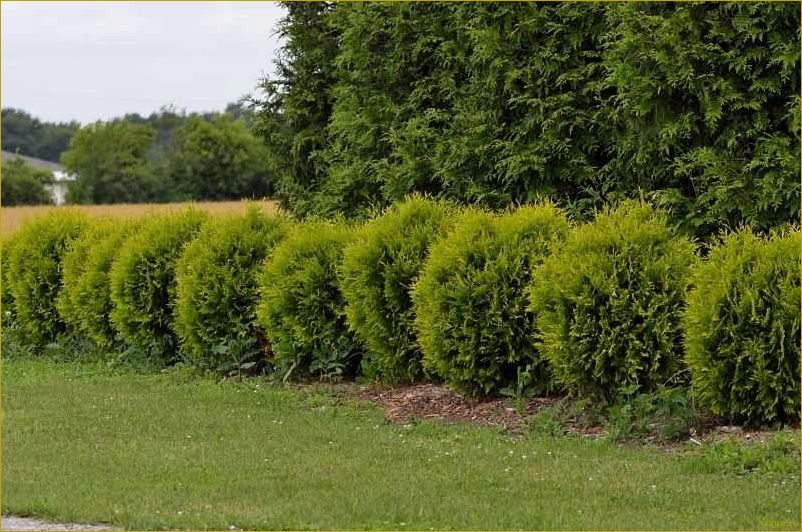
<point>490,303</point>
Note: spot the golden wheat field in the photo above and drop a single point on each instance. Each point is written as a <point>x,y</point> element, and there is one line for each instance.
<point>12,218</point>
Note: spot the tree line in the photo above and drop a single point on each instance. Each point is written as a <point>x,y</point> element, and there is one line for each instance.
<point>27,135</point>
<point>694,107</point>
<point>166,156</point>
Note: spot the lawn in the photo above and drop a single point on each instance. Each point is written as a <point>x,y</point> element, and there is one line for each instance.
<point>162,450</point>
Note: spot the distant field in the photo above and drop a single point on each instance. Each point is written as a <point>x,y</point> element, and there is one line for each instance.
<point>11,218</point>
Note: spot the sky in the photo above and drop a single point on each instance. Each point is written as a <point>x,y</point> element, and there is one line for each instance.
<point>89,61</point>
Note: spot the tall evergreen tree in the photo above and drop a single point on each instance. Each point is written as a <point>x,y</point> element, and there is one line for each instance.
<point>296,104</point>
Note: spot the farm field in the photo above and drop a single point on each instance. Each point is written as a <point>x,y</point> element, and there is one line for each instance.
<point>12,218</point>
<point>168,450</point>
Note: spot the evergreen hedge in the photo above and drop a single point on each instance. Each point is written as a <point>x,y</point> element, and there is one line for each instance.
<point>694,105</point>
<point>742,328</point>
<point>377,274</point>
<point>302,308</point>
<point>143,283</point>
<point>471,301</point>
<point>84,301</point>
<point>35,273</point>
<point>609,303</point>
<point>217,289</point>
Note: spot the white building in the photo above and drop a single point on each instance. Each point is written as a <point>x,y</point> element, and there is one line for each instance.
<point>57,187</point>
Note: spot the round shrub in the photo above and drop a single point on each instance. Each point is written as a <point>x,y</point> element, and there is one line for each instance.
<point>471,304</point>
<point>35,273</point>
<point>302,308</point>
<point>85,298</point>
<point>742,328</point>
<point>609,303</point>
<point>143,285</point>
<point>217,291</point>
<point>377,275</point>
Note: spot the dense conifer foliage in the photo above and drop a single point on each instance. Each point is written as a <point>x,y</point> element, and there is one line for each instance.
<point>692,106</point>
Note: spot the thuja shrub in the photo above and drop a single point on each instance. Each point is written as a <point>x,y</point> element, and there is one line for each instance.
<point>471,304</point>
<point>218,289</point>
<point>302,308</point>
<point>35,273</point>
<point>85,298</point>
<point>742,328</point>
<point>377,275</point>
<point>7,301</point>
<point>609,303</point>
<point>143,283</point>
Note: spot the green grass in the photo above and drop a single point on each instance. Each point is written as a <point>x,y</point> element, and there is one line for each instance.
<point>167,450</point>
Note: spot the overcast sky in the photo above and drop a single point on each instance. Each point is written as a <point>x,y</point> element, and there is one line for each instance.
<point>86,61</point>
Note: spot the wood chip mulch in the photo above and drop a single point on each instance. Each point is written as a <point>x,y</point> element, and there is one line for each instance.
<point>432,401</point>
<point>427,401</point>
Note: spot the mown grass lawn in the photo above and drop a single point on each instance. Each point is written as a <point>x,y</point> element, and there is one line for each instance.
<point>150,451</point>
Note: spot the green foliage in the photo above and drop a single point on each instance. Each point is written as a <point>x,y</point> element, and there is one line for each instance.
<point>525,88</point>
<point>742,328</point>
<point>84,302</point>
<point>302,308</point>
<point>696,104</point>
<point>217,159</point>
<point>707,108</point>
<point>550,421</point>
<point>35,273</point>
<point>779,456</point>
<point>7,299</point>
<point>664,415</point>
<point>609,303</point>
<point>217,289</point>
<point>296,106</point>
<point>111,165</point>
<point>24,134</point>
<point>390,98</point>
<point>143,283</point>
<point>377,274</point>
<point>470,302</point>
<point>23,184</point>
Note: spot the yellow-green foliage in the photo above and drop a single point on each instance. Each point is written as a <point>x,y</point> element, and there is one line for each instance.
<point>377,274</point>
<point>7,300</point>
<point>742,328</point>
<point>143,285</point>
<point>35,273</point>
<point>85,299</point>
<point>471,305</point>
<point>302,308</point>
<point>609,303</point>
<point>218,288</point>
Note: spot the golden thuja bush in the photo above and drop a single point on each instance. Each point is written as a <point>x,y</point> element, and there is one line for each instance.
<point>218,289</point>
<point>742,328</point>
<point>377,274</point>
<point>35,273</point>
<point>143,283</point>
<point>471,306</point>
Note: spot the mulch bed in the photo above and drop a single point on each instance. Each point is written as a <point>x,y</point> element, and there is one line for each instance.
<point>427,401</point>
<point>433,401</point>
